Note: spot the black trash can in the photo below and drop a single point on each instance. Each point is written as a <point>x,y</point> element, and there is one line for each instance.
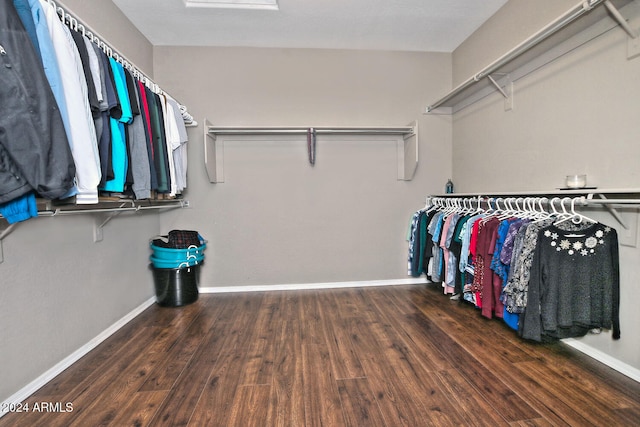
<point>176,287</point>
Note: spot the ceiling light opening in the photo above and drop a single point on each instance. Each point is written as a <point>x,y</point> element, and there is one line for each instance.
<point>234,4</point>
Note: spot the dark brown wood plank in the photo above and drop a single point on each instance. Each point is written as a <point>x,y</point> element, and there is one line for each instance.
<point>474,410</point>
<point>589,403</point>
<point>277,358</point>
<point>181,350</point>
<point>181,403</point>
<point>140,408</point>
<point>258,367</point>
<point>479,373</point>
<point>250,407</point>
<point>394,370</point>
<point>344,356</point>
<point>359,403</point>
<point>311,328</point>
<point>86,393</point>
<point>214,401</point>
<point>287,399</point>
<point>321,397</point>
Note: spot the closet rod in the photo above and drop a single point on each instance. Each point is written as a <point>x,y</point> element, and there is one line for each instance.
<point>557,192</point>
<point>562,21</point>
<point>584,201</point>
<point>304,130</point>
<point>78,25</point>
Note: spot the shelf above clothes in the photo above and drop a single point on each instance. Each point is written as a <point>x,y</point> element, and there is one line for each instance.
<point>579,25</point>
<point>407,149</point>
<point>107,209</point>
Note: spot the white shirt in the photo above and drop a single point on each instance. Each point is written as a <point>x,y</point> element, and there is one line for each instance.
<point>82,133</point>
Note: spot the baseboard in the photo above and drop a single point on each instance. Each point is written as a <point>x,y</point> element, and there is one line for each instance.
<point>311,286</point>
<point>36,384</point>
<point>600,356</point>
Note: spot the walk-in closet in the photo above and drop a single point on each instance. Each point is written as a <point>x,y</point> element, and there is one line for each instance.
<point>414,212</point>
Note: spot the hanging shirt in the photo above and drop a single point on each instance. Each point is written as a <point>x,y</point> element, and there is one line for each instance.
<point>83,140</point>
<point>34,150</point>
<point>120,160</point>
<point>574,284</point>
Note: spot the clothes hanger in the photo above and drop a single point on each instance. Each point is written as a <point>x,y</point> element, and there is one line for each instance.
<point>508,210</point>
<point>542,214</point>
<point>564,215</point>
<point>577,217</point>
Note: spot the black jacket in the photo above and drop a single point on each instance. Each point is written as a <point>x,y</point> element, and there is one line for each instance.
<point>34,150</point>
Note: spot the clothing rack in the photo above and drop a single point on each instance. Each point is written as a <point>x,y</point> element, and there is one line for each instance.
<point>608,198</point>
<point>77,25</point>
<point>470,245</point>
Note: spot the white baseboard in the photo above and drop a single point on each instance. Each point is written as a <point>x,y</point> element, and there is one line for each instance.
<point>600,356</point>
<point>310,286</point>
<point>36,384</point>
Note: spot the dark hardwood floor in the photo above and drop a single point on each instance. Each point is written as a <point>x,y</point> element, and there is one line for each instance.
<point>392,356</point>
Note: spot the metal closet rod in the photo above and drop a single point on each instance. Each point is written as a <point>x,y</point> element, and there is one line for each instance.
<point>304,130</point>
<point>584,201</point>
<point>76,24</point>
<point>562,21</point>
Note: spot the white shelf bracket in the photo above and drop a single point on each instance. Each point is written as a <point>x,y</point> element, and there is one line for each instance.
<point>408,154</point>
<point>505,87</point>
<point>100,223</point>
<point>495,83</point>
<point>213,155</point>
<point>633,42</point>
<point>612,210</point>
<point>5,232</point>
<point>615,13</point>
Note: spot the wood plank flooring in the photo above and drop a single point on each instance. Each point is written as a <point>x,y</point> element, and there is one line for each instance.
<point>383,356</point>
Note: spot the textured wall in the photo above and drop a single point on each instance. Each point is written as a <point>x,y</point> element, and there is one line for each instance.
<point>278,220</point>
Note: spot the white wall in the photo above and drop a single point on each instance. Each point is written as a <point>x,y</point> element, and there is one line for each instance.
<point>277,220</point>
<point>576,115</point>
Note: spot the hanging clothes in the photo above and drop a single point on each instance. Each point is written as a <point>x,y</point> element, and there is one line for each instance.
<point>119,158</point>
<point>34,150</point>
<point>81,131</point>
<point>137,143</point>
<point>547,277</point>
<point>574,284</point>
<point>75,120</point>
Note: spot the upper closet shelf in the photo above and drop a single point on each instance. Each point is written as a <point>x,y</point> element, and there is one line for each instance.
<point>407,149</point>
<point>579,25</point>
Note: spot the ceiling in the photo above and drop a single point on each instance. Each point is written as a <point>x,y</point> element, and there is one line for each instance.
<point>406,25</point>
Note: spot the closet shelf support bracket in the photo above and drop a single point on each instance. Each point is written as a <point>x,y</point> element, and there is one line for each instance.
<point>505,87</point>
<point>99,224</point>
<point>612,210</point>
<point>4,233</point>
<point>633,42</point>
